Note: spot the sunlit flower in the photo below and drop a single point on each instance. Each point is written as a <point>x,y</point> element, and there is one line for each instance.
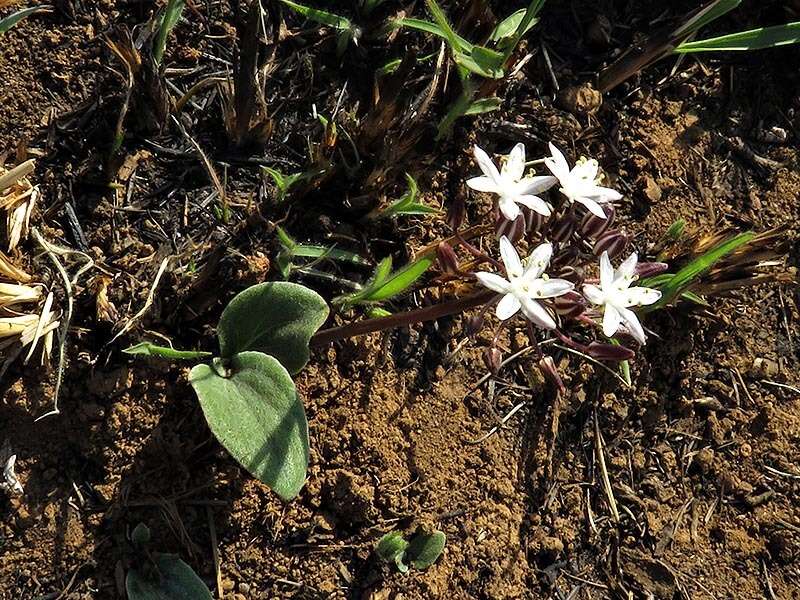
<point>12,294</point>
<point>10,482</point>
<point>510,185</point>
<point>616,296</point>
<point>526,284</point>
<point>579,184</point>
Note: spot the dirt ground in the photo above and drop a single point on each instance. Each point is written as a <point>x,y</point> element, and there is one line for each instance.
<point>702,452</point>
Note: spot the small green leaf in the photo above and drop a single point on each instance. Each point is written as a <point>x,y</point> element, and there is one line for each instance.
<point>386,285</point>
<point>140,535</point>
<point>484,105</point>
<point>319,16</point>
<point>461,45</point>
<point>482,61</point>
<point>148,349</point>
<point>168,578</point>
<point>425,549</point>
<point>252,407</point>
<point>407,204</point>
<point>390,545</point>
<point>277,318</point>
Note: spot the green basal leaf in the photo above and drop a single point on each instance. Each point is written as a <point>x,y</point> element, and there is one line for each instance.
<point>172,14</point>
<point>319,16</point>
<point>754,39</point>
<point>277,318</point>
<point>425,549</point>
<point>148,349</point>
<point>167,578</point>
<point>484,105</point>
<point>14,18</point>
<point>252,407</point>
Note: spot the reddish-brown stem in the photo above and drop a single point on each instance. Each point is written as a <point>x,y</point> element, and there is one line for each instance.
<point>429,313</point>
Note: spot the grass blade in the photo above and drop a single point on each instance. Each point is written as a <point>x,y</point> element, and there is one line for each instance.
<point>14,18</point>
<point>172,14</point>
<point>672,286</point>
<point>753,39</point>
<point>319,16</point>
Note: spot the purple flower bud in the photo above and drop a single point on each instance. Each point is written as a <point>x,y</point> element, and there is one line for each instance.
<point>612,241</point>
<point>536,221</point>
<point>513,230</point>
<point>447,258</point>
<point>492,357</point>
<point>473,325</point>
<point>457,212</point>
<point>548,368</point>
<point>562,230</point>
<point>570,304</point>
<point>610,352</point>
<point>593,226</point>
<point>648,269</point>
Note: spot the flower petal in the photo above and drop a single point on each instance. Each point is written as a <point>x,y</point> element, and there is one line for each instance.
<point>603,194</point>
<point>586,170</point>
<point>594,294</point>
<point>632,323</point>
<point>625,271</point>
<point>611,320</point>
<point>510,258</point>
<point>537,261</point>
<point>494,282</point>
<point>514,166</point>
<point>606,272</point>
<point>508,207</point>
<point>486,165</point>
<point>557,164</point>
<point>535,185</point>
<point>592,206</point>
<point>537,314</point>
<point>507,307</point>
<point>482,184</point>
<point>641,296</point>
<point>536,204</point>
<point>552,288</point>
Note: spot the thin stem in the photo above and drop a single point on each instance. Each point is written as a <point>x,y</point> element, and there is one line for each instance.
<point>429,313</point>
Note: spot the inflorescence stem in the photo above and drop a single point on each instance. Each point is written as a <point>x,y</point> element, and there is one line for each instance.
<point>429,313</point>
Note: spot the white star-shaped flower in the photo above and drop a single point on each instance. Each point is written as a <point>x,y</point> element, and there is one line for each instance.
<point>579,184</point>
<point>616,296</point>
<point>510,185</point>
<point>526,284</point>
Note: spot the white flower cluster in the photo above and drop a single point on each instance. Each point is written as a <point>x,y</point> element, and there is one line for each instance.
<point>526,284</point>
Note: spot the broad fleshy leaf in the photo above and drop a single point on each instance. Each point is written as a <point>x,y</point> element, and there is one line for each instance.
<point>252,407</point>
<point>169,578</point>
<point>425,549</point>
<point>277,318</point>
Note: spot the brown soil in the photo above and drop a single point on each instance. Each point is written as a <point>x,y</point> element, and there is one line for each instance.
<point>703,452</point>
